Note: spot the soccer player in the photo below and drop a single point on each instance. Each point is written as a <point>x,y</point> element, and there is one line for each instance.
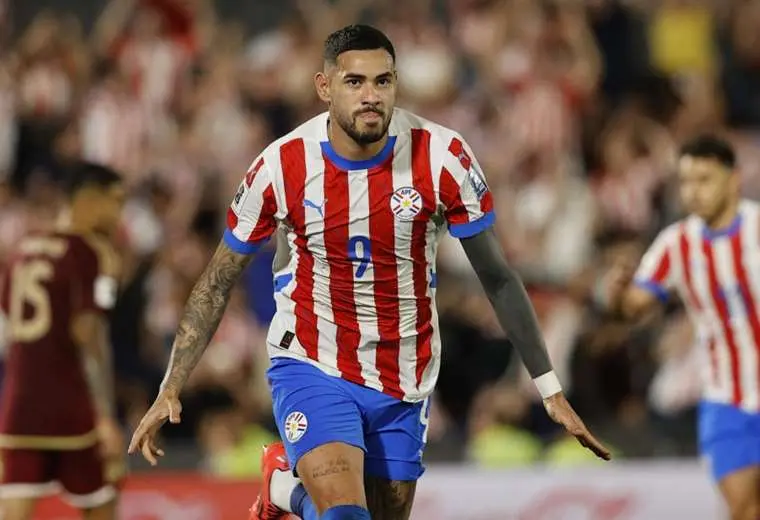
<point>57,425</point>
<point>363,191</point>
<point>711,259</point>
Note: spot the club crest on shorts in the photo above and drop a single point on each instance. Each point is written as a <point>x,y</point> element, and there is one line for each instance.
<point>406,203</point>
<point>295,426</point>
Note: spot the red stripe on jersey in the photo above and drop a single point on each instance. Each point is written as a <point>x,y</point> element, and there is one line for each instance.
<point>685,248</point>
<point>486,203</point>
<point>725,321</point>
<point>266,224</point>
<point>341,272</point>
<point>293,159</point>
<point>456,212</point>
<point>744,287</point>
<point>663,269</point>
<point>252,171</point>
<point>686,263</point>
<point>422,178</point>
<point>232,219</point>
<point>382,233</point>
<point>457,149</point>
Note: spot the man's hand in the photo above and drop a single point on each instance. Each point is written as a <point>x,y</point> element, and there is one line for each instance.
<point>610,288</point>
<point>166,406</point>
<point>562,413</point>
<point>111,439</point>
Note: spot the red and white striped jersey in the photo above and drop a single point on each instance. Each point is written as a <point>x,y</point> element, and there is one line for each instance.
<point>357,297</point>
<point>717,275</point>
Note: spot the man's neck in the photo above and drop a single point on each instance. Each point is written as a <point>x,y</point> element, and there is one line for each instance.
<point>349,149</point>
<point>726,217</point>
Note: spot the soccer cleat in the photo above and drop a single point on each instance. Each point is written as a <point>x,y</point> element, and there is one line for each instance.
<point>273,459</point>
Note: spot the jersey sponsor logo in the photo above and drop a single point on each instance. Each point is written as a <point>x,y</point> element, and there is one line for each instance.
<point>295,426</point>
<point>406,203</point>
<point>477,181</point>
<point>287,339</point>
<point>237,201</point>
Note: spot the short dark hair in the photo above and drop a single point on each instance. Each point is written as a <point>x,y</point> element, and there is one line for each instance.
<point>356,38</point>
<point>709,146</point>
<point>87,175</point>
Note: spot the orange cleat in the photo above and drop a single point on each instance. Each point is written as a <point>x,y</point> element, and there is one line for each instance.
<point>273,459</point>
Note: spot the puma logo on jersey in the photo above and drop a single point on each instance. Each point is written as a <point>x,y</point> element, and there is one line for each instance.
<point>313,205</point>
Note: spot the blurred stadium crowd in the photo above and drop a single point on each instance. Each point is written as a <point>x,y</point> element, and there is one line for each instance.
<point>575,109</point>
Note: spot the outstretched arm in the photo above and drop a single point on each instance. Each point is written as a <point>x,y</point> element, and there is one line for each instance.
<point>510,301</point>
<point>251,221</point>
<point>203,312</point>
<point>515,313</point>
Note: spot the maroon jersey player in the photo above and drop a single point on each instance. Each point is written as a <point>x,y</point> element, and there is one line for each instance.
<point>57,426</point>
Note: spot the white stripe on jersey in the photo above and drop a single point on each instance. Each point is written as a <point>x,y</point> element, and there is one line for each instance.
<point>283,322</point>
<point>749,257</point>
<point>407,305</point>
<point>708,322</point>
<point>314,190</point>
<point>363,276</point>
<point>727,278</point>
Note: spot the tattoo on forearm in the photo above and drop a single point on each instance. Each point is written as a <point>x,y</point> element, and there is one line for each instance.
<point>389,499</point>
<point>203,312</point>
<point>332,467</point>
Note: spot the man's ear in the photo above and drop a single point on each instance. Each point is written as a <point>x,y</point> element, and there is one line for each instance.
<point>322,84</point>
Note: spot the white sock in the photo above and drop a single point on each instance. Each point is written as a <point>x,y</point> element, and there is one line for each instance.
<point>281,487</point>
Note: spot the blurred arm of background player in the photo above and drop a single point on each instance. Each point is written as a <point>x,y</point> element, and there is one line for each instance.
<point>516,316</point>
<point>617,295</point>
<point>90,331</point>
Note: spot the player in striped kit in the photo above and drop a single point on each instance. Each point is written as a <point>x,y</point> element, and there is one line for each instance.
<point>362,192</point>
<point>711,259</point>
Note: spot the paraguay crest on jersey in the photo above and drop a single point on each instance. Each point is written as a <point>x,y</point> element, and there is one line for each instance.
<point>406,203</point>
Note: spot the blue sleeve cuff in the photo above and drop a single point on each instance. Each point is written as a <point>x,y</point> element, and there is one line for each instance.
<point>470,229</point>
<point>239,246</point>
<point>658,290</point>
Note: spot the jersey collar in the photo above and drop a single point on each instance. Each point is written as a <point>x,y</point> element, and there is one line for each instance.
<point>366,164</point>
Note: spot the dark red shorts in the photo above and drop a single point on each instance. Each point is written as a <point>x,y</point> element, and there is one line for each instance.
<point>80,474</point>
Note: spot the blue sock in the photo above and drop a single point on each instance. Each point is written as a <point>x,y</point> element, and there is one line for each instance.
<point>346,513</point>
<point>301,504</point>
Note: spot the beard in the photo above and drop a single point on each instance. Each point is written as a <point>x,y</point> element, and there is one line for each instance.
<point>368,135</point>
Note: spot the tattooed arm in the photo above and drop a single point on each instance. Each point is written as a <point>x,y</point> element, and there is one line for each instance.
<point>203,312</point>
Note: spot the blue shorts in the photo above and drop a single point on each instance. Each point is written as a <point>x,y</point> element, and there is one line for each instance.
<point>729,438</point>
<point>313,408</point>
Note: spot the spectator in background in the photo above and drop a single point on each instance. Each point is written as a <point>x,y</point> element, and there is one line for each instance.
<point>740,50</point>
<point>114,127</point>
